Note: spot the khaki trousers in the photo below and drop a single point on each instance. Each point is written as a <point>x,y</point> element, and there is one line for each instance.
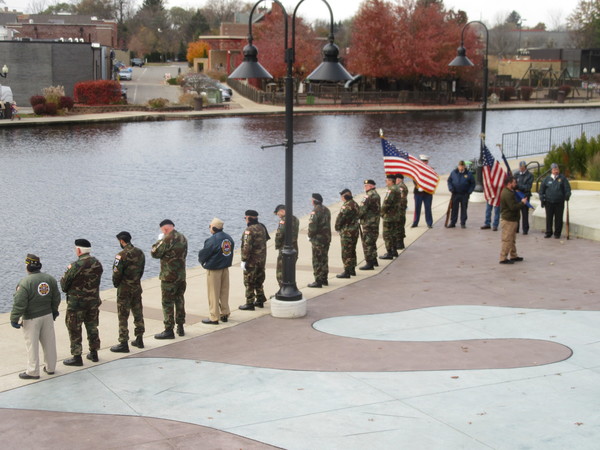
<point>509,239</point>
<point>217,282</point>
<point>40,331</point>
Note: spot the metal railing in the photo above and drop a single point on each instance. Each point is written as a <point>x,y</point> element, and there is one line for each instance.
<point>541,141</point>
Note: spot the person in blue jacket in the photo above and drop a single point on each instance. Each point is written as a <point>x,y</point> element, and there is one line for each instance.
<point>216,257</point>
<point>461,184</point>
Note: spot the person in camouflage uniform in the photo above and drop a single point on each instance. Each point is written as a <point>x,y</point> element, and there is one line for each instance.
<point>128,270</point>
<point>254,258</point>
<point>81,283</point>
<point>319,234</point>
<point>171,248</point>
<point>390,212</point>
<point>346,224</point>
<point>280,239</point>
<point>369,215</point>
<point>401,229</point>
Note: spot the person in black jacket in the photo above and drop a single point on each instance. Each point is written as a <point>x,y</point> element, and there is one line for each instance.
<point>524,182</point>
<point>554,191</point>
<point>216,257</point>
<point>461,185</point>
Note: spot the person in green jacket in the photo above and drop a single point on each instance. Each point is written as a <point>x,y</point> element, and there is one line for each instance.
<point>510,210</point>
<point>36,300</point>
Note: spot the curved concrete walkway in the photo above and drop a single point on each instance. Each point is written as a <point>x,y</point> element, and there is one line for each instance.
<point>443,348</point>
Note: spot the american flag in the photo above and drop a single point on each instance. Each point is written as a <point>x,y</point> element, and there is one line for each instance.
<point>399,161</point>
<point>493,178</point>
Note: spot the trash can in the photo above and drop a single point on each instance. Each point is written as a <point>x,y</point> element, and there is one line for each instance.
<point>561,96</point>
<point>310,99</point>
<point>198,103</point>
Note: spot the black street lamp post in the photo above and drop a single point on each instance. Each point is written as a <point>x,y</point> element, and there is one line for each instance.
<point>462,60</point>
<point>329,70</point>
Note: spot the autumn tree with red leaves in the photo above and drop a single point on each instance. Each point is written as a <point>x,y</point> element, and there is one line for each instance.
<point>269,40</point>
<point>410,40</point>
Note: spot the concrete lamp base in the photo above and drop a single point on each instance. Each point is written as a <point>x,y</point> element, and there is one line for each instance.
<point>288,309</point>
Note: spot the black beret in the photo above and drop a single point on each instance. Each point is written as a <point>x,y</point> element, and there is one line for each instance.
<point>84,243</point>
<point>318,197</point>
<point>369,181</point>
<point>390,176</point>
<point>399,175</point>
<point>166,222</point>
<point>251,213</point>
<point>346,191</point>
<point>124,236</point>
<point>278,208</point>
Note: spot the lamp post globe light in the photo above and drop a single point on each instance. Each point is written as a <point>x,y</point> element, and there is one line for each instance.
<point>4,71</point>
<point>461,60</point>
<point>289,302</point>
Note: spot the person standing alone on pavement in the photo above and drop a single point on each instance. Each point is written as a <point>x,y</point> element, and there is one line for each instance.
<point>461,185</point>
<point>171,248</point>
<point>510,208</point>
<point>554,191</point>
<point>36,300</point>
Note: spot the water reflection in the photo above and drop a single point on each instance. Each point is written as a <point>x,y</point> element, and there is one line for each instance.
<point>62,183</point>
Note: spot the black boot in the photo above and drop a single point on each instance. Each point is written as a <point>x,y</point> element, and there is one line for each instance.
<point>167,334</point>
<point>400,245</point>
<point>180,331</point>
<point>388,255</point>
<point>139,342</point>
<point>368,266</point>
<point>375,263</point>
<point>247,307</point>
<point>315,284</point>
<point>260,304</point>
<point>74,361</point>
<point>352,272</point>
<point>122,347</point>
<point>92,356</point>
<point>344,274</point>
<point>395,254</point>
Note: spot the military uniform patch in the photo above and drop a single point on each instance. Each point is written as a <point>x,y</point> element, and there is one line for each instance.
<point>43,288</point>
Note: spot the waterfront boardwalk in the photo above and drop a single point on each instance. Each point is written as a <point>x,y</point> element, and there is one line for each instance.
<point>442,348</point>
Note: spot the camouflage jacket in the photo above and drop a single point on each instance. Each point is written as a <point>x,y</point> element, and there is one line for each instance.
<point>172,251</point>
<point>319,226</point>
<point>128,268</point>
<point>254,245</point>
<point>390,208</point>
<point>347,219</point>
<point>403,195</point>
<point>81,281</point>
<point>370,209</point>
<point>280,234</point>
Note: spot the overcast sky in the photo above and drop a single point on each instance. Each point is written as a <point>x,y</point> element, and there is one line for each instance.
<point>488,11</point>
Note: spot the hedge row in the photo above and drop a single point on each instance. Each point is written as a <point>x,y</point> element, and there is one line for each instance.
<point>101,92</point>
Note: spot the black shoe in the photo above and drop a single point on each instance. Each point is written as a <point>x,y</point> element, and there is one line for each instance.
<point>525,233</point>
<point>24,376</point>
<point>167,334</point>
<point>548,235</point>
<point>375,263</point>
<point>387,256</point>
<point>452,225</point>
<point>400,245</point>
<point>247,307</point>
<point>92,356</point>
<point>557,237</point>
<point>74,361</point>
<point>462,225</point>
<point>46,370</point>
<point>180,331</point>
<point>516,259</point>
<point>210,322</point>
<point>120,348</point>
<point>507,261</point>
<point>139,342</point>
<point>352,272</point>
<point>395,254</point>
<point>344,274</point>
<point>258,304</point>
<point>414,225</point>
<point>368,266</point>
<point>429,226</point>
<point>495,229</point>
<point>224,318</point>
<point>485,227</point>
<point>315,284</point>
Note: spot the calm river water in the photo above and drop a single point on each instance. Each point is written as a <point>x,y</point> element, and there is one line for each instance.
<point>68,182</point>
